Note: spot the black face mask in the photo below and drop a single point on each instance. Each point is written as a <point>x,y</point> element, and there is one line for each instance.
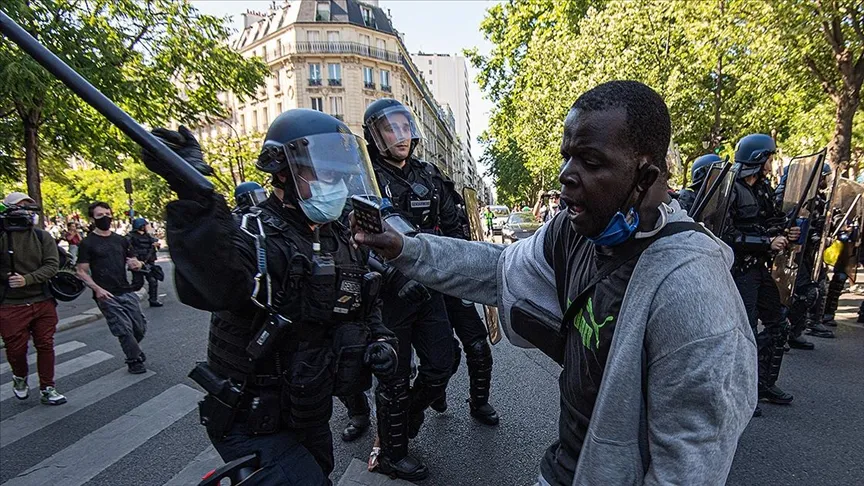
<point>103,223</point>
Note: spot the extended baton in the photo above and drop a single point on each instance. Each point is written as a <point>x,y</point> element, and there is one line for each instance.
<point>93,97</point>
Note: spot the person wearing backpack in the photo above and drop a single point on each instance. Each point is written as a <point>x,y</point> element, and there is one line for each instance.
<point>28,260</point>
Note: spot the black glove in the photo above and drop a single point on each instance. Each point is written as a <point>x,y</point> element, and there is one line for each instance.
<point>381,358</point>
<point>413,292</point>
<point>184,144</point>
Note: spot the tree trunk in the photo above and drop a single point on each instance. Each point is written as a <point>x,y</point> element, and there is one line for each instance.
<point>31,160</point>
<point>840,147</point>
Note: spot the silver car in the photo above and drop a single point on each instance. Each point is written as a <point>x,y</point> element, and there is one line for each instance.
<point>519,227</point>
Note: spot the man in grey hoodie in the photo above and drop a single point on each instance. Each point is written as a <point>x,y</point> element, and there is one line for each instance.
<point>633,299</point>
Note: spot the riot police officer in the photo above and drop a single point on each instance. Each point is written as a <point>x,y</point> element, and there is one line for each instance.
<point>755,232</point>
<point>295,309</point>
<point>808,300</point>
<point>472,334</point>
<point>248,196</point>
<point>144,246</point>
<point>698,173</point>
<point>417,192</point>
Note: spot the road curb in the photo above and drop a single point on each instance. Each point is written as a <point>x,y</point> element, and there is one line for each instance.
<point>85,317</point>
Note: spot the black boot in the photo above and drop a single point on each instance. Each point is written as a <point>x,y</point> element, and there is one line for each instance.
<point>816,329</point>
<point>423,393</point>
<point>798,342</point>
<point>479,360</point>
<point>828,320</point>
<point>774,394</point>
<point>440,405</point>
<point>358,416</point>
<point>393,401</point>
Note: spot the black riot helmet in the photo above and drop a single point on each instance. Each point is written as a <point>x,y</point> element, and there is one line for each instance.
<point>752,152</point>
<point>249,194</point>
<point>701,167</point>
<point>388,123</point>
<point>66,286</point>
<point>323,163</point>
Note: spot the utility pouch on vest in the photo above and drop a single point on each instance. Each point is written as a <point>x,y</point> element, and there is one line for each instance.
<point>264,412</point>
<point>349,347</point>
<point>309,398</point>
<point>320,289</point>
<point>219,407</point>
<point>349,293</point>
<point>370,291</point>
<point>268,337</point>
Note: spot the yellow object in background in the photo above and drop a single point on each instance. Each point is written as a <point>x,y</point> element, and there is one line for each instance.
<point>832,253</point>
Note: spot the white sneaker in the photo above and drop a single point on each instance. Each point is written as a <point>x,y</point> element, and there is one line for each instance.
<point>51,397</point>
<point>20,387</point>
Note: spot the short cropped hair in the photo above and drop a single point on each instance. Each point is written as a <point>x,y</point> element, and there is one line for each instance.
<point>648,129</point>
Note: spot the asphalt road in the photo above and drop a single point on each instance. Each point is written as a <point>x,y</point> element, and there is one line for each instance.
<point>144,431</point>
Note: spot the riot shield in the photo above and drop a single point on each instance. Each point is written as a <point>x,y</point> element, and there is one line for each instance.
<point>802,185</point>
<point>711,207</point>
<point>826,228</point>
<point>473,210</point>
<point>848,202</point>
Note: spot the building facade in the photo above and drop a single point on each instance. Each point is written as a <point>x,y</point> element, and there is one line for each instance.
<point>335,56</point>
<point>447,78</point>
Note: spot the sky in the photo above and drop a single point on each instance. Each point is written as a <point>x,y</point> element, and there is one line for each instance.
<point>431,26</point>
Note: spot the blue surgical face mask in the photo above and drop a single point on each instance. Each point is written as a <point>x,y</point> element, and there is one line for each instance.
<point>327,201</point>
<point>621,227</point>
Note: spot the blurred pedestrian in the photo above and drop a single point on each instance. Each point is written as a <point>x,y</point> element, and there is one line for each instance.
<point>73,238</point>
<point>145,245</point>
<point>27,308</point>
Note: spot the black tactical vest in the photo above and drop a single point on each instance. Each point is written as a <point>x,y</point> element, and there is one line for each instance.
<point>405,192</point>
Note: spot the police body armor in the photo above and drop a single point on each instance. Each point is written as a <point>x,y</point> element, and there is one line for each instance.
<point>142,245</point>
<point>686,198</point>
<point>757,221</point>
<point>320,355</point>
<point>418,200</point>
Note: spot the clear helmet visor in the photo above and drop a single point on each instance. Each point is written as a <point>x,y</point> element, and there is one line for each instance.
<point>393,130</point>
<point>327,170</point>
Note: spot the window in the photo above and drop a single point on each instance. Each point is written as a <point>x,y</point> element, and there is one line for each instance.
<point>280,107</point>
<point>365,40</point>
<point>315,74</point>
<point>322,13</point>
<point>278,50</point>
<point>336,105</point>
<point>430,72</point>
<point>318,104</point>
<point>254,120</point>
<point>430,62</point>
<point>334,72</point>
<point>430,82</point>
<point>265,120</point>
<point>242,123</point>
<point>277,83</point>
<point>367,15</point>
<point>381,44</point>
<point>332,36</point>
<point>385,80</point>
<point>313,36</point>
<point>368,78</point>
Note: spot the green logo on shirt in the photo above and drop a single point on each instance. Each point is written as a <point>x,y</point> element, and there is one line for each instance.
<point>589,328</point>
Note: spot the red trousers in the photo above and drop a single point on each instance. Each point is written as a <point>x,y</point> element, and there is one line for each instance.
<point>17,324</point>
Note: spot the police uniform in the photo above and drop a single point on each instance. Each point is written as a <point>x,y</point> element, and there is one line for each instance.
<point>142,246</point>
<point>295,311</point>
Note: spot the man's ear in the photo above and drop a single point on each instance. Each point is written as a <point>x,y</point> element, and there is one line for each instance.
<point>648,174</point>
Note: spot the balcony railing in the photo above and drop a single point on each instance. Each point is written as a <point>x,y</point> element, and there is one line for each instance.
<point>368,85</point>
<point>327,47</point>
<point>314,81</point>
<point>334,82</point>
<point>386,88</point>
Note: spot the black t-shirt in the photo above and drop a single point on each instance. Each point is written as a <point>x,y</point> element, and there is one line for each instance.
<point>107,258</point>
<point>588,338</point>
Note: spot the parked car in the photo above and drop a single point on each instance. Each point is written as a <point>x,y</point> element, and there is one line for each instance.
<point>519,227</point>
<point>501,213</point>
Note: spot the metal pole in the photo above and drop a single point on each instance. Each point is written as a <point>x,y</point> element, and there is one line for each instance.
<point>80,86</point>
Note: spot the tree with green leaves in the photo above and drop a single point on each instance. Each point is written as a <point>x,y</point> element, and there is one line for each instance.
<point>825,41</point>
<point>160,60</point>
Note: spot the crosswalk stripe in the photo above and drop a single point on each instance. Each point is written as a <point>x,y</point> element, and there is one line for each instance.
<point>63,369</point>
<point>95,452</point>
<point>195,470</point>
<point>58,350</point>
<point>39,417</point>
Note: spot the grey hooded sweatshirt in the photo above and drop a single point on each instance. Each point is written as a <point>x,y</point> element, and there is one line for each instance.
<point>679,385</point>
